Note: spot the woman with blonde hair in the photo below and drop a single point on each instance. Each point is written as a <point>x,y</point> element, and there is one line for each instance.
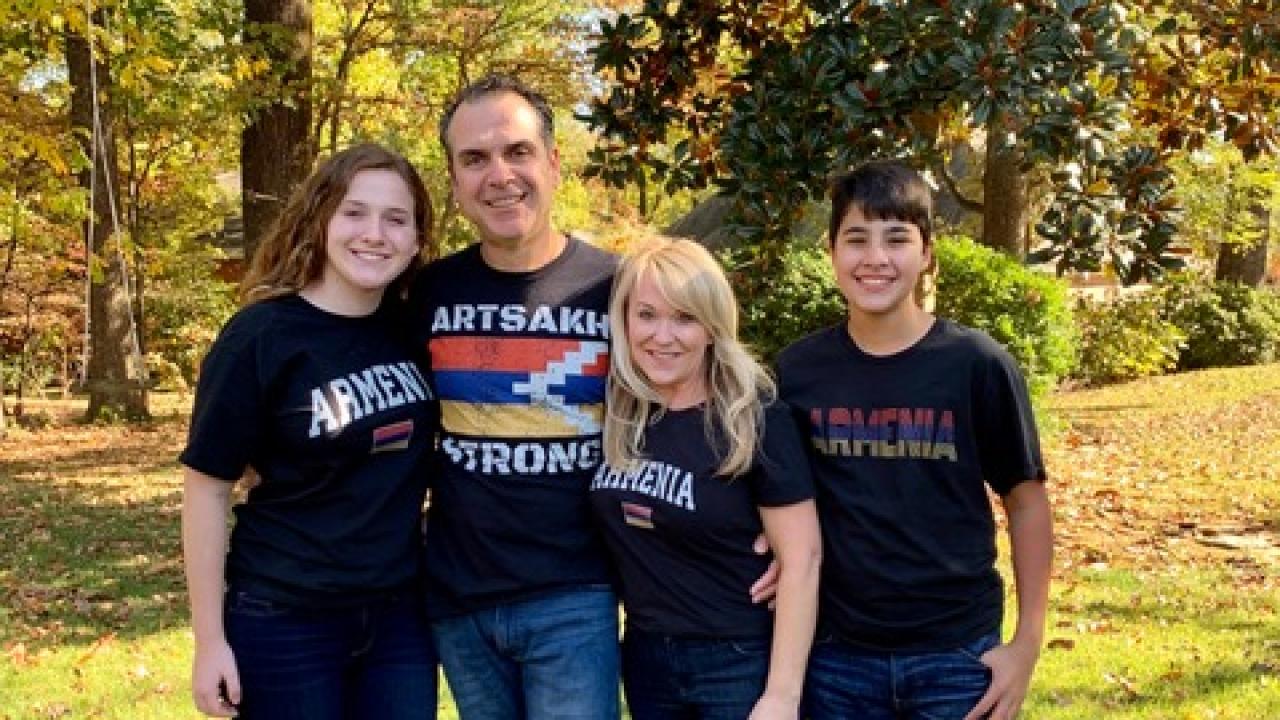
<point>311,609</point>
<point>699,458</point>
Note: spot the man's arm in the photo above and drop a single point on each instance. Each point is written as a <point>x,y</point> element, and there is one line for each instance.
<point>1012,664</point>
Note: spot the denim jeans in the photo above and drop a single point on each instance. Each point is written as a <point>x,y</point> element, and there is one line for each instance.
<point>670,678</point>
<point>848,682</point>
<point>553,656</point>
<point>371,662</point>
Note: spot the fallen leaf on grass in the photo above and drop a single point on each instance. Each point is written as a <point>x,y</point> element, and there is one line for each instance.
<point>18,654</point>
<point>1062,644</point>
<point>1094,626</point>
<point>93,649</point>
<point>1124,683</point>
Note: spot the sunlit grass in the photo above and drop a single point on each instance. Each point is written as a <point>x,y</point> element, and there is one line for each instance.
<point>1158,611</point>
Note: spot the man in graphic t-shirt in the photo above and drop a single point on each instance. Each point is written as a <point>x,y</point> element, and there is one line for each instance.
<point>516,328</point>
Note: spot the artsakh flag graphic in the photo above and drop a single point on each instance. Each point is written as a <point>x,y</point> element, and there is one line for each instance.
<point>527,387</point>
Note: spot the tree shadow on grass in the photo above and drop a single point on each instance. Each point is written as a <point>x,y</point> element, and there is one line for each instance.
<point>144,448</point>
<point>82,560</point>
<point>1174,689</point>
<point>1177,613</point>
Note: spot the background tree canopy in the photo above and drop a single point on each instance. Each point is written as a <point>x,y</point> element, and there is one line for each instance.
<point>1075,103</point>
<point>147,140</point>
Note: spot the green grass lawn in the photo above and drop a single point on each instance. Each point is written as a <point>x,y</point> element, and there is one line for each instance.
<point>1165,602</point>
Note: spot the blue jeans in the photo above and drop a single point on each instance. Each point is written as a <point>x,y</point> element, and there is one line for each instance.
<point>375,661</point>
<point>554,656</point>
<point>848,682</point>
<point>671,678</point>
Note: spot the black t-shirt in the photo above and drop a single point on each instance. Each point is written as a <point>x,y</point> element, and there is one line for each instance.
<point>902,446</point>
<point>336,418</point>
<point>519,361</point>
<point>681,535</point>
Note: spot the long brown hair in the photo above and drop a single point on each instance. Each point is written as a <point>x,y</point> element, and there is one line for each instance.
<point>293,252</point>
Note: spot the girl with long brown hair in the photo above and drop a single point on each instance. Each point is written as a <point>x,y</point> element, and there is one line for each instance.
<point>309,608</point>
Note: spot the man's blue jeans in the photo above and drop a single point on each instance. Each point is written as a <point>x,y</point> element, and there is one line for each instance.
<point>848,682</point>
<point>553,656</point>
<point>371,662</point>
<point>670,678</point>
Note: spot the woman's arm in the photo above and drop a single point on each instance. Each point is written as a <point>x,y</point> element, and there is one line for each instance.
<point>205,501</point>
<point>792,531</point>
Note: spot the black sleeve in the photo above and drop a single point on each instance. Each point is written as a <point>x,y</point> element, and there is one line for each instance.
<point>1008,441</point>
<point>227,417</point>
<point>782,464</point>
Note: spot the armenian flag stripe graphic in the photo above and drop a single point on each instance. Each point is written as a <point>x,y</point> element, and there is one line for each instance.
<point>393,437</point>
<point>522,354</point>
<point>520,422</point>
<point>513,388</point>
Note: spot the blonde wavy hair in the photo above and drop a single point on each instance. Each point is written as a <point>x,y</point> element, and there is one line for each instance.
<point>292,253</point>
<point>737,385</point>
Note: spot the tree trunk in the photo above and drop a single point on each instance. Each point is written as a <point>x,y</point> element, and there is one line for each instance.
<point>1004,197</point>
<point>1247,264</point>
<point>114,375</point>
<point>275,148</point>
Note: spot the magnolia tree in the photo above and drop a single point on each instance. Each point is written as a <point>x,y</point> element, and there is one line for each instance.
<point>765,100</point>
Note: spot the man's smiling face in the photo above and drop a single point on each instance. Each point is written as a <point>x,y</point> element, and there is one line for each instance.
<point>504,173</point>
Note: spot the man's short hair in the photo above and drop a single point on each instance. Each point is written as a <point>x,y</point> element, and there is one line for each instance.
<point>491,84</point>
<point>882,190</point>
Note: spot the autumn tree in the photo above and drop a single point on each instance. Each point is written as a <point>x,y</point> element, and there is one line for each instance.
<point>765,101</point>
<point>1212,74</point>
<point>384,70</point>
<point>276,150</point>
<point>41,252</point>
<point>1228,203</point>
<point>115,375</point>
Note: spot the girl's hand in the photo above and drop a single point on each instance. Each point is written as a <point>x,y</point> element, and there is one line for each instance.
<point>215,683</point>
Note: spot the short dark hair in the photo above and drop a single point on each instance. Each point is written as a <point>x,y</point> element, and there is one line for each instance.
<point>496,83</point>
<point>882,190</point>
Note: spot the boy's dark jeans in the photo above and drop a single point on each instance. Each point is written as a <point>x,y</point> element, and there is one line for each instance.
<point>848,682</point>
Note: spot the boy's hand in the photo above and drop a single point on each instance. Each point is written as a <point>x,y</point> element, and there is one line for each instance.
<point>1011,667</point>
<point>765,588</point>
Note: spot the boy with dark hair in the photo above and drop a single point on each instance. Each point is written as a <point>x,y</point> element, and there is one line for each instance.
<point>912,417</point>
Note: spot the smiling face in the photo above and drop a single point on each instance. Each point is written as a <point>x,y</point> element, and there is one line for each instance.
<point>668,345</point>
<point>370,239</point>
<point>877,264</point>
<point>503,171</point>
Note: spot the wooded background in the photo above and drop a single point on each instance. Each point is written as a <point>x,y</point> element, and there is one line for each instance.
<point>148,143</point>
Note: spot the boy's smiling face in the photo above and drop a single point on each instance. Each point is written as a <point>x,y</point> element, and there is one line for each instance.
<point>877,264</point>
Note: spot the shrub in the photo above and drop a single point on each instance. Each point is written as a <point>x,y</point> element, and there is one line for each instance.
<point>1124,339</point>
<point>777,309</point>
<point>1025,310</point>
<point>1225,323</point>
<point>187,304</point>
